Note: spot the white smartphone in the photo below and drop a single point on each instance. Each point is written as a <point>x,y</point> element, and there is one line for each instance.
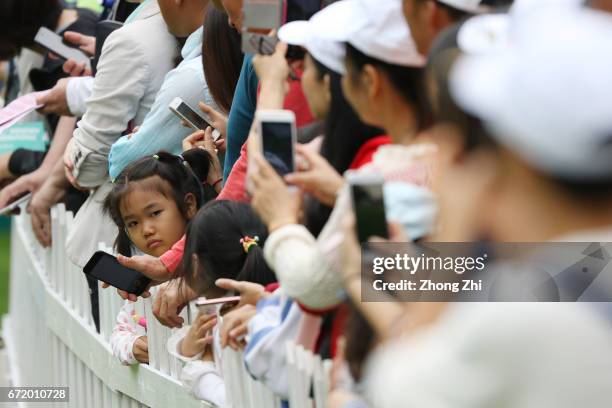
<point>368,205</point>
<point>54,43</point>
<point>209,306</point>
<point>10,209</point>
<point>277,137</point>
<point>189,115</point>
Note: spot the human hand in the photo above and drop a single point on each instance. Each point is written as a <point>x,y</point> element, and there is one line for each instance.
<point>69,166</point>
<point>274,202</point>
<point>171,298</point>
<point>25,184</point>
<point>218,121</point>
<point>86,44</point>
<point>148,265</point>
<point>250,293</point>
<point>55,101</point>
<point>273,69</point>
<point>140,350</point>
<point>198,336</point>
<point>40,204</point>
<point>318,178</point>
<point>235,326</point>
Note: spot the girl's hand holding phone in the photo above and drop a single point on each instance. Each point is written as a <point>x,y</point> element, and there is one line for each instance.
<point>199,335</point>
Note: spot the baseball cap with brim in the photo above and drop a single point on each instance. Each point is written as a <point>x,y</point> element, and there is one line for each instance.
<point>304,34</point>
<point>546,96</point>
<point>377,28</point>
<point>469,6</point>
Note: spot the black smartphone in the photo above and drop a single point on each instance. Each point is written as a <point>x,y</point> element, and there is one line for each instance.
<point>55,43</point>
<point>369,206</point>
<point>106,268</point>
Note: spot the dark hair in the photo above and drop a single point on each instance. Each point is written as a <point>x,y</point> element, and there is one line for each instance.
<point>180,176</point>
<point>344,133</point>
<point>454,13</point>
<point>409,81</point>
<point>20,21</point>
<point>214,235</point>
<point>221,57</point>
<point>360,340</point>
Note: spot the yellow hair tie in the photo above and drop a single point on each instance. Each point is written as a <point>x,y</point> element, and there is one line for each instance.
<point>247,242</point>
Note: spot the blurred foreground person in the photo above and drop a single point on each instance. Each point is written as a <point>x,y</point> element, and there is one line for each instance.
<point>545,175</point>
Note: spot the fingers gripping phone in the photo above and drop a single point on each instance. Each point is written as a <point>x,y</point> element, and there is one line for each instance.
<point>368,205</point>
<point>260,18</point>
<point>55,43</point>
<point>106,268</point>
<point>277,134</point>
<point>189,115</point>
<point>13,208</point>
<point>209,306</point>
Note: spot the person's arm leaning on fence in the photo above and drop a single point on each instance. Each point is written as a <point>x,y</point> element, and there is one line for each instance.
<point>33,181</point>
<point>49,194</point>
<point>124,340</point>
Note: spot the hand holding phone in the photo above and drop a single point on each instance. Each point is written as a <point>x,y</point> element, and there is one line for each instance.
<point>106,268</point>
<point>368,205</point>
<point>13,208</point>
<point>185,112</point>
<point>55,43</point>
<point>261,17</point>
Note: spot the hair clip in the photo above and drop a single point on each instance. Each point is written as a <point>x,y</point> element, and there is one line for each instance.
<point>247,242</point>
<point>156,157</point>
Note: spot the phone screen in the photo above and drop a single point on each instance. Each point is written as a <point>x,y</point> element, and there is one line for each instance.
<point>277,146</point>
<point>192,116</point>
<point>369,211</point>
<point>106,268</point>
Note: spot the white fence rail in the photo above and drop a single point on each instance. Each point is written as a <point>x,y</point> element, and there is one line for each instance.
<point>52,341</point>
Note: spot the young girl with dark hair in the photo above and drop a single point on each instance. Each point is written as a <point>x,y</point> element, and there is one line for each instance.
<point>224,240</point>
<point>151,202</point>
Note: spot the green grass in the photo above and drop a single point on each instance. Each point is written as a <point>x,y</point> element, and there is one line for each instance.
<point>5,238</point>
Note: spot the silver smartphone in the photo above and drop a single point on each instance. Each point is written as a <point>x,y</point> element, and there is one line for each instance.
<point>191,117</point>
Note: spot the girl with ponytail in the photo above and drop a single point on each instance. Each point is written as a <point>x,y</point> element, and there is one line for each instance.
<point>224,240</point>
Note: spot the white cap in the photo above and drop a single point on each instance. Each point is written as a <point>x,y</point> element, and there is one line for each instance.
<point>470,6</point>
<point>304,33</point>
<point>375,27</point>
<point>547,95</point>
<point>488,33</point>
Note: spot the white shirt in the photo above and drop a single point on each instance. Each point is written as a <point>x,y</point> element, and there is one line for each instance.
<point>528,355</point>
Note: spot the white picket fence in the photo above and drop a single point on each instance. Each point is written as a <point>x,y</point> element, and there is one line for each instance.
<point>52,341</point>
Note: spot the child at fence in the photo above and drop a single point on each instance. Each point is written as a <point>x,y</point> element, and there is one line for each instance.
<point>224,240</point>
<point>151,202</point>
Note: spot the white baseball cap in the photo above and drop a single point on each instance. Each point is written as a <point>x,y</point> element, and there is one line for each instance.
<point>470,6</point>
<point>547,96</point>
<point>304,33</point>
<point>377,28</point>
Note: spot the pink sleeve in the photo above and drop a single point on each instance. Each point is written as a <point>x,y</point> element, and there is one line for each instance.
<point>234,188</point>
<point>172,258</point>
